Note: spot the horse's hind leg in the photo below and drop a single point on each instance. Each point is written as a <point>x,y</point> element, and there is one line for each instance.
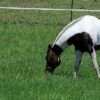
<point>95,64</point>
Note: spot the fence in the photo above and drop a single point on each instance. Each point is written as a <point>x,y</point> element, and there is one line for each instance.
<point>73,4</point>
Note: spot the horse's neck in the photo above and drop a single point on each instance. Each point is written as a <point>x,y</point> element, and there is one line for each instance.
<point>67,27</point>
<point>62,41</point>
<point>65,34</point>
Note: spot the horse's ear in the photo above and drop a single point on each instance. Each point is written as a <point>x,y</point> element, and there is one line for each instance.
<point>49,47</point>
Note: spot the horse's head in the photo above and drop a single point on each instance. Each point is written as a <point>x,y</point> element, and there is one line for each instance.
<point>52,58</point>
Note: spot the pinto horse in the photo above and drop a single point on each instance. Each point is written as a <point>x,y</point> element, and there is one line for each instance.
<point>84,34</point>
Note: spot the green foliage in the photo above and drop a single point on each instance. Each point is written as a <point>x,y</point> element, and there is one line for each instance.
<point>24,37</point>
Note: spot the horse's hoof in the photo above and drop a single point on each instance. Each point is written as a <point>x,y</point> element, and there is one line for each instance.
<point>74,75</point>
<point>99,76</point>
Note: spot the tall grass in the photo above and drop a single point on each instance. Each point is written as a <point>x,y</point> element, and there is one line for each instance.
<point>24,37</point>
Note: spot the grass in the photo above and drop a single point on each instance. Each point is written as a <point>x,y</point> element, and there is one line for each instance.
<point>24,37</point>
<point>36,3</point>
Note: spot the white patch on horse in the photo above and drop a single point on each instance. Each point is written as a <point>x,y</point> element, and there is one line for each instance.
<point>88,24</point>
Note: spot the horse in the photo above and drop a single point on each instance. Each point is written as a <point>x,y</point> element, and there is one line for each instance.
<point>84,34</point>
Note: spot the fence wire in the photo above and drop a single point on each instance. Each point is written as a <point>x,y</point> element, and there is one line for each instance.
<point>73,7</point>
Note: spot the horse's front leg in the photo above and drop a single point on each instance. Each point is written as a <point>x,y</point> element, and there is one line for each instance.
<point>77,62</point>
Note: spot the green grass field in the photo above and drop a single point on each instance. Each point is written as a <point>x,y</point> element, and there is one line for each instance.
<point>24,38</point>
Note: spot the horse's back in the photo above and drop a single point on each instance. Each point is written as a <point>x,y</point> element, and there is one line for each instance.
<point>88,24</point>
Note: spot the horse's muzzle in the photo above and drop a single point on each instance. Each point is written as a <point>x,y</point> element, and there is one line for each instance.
<point>49,70</point>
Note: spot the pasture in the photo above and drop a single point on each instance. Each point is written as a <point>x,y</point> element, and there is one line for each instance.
<point>24,38</point>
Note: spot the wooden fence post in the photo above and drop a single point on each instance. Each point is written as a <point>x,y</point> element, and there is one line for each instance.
<point>71,17</point>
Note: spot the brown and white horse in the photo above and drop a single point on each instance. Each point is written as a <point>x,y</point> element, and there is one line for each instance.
<point>84,34</point>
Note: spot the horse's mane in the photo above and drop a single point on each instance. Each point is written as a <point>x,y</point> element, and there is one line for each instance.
<point>68,26</point>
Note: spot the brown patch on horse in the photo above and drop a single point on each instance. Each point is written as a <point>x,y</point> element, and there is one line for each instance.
<point>52,58</point>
